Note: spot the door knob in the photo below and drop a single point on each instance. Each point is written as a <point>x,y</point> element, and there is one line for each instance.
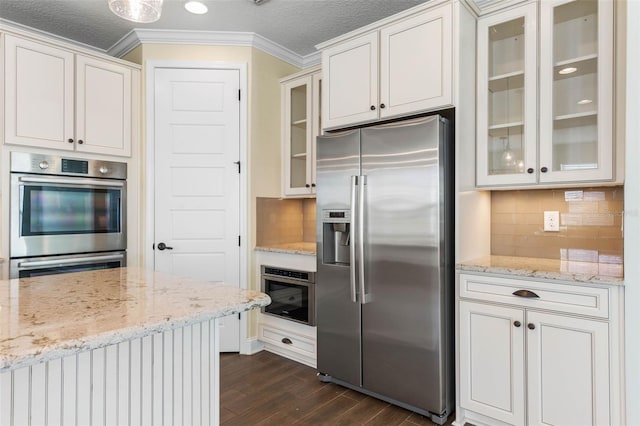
<point>373,107</point>
<point>163,246</point>
<point>531,326</point>
<point>70,140</point>
<point>517,323</point>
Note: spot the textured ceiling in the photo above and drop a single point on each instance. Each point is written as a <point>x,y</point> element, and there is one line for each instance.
<point>295,24</point>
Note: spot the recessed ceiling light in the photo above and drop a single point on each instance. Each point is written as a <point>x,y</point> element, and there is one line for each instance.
<point>196,7</point>
<point>567,70</point>
<point>584,101</point>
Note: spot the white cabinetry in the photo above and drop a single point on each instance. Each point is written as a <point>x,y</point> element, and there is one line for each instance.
<point>401,67</point>
<point>300,127</point>
<point>549,356</point>
<point>573,140</point>
<point>58,99</point>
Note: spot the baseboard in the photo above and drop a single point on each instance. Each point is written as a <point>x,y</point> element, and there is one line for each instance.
<point>251,346</point>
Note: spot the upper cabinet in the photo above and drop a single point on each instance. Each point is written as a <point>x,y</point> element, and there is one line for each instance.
<point>573,140</point>
<point>58,99</point>
<point>300,127</point>
<point>397,69</point>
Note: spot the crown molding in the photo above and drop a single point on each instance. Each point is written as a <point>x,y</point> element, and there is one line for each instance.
<point>137,37</point>
<point>19,29</point>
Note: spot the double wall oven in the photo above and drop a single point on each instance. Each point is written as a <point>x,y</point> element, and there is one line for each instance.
<point>67,215</point>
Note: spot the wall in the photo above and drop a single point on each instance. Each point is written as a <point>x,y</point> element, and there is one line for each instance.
<point>263,133</point>
<point>590,224</point>
<point>285,221</point>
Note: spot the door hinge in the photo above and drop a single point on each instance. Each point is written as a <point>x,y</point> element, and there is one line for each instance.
<point>238,163</point>
<point>239,91</point>
<point>238,240</point>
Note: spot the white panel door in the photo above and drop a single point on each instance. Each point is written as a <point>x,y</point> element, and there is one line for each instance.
<point>415,63</point>
<point>492,361</point>
<point>351,82</point>
<point>103,107</point>
<point>39,89</point>
<point>568,370</point>
<point>197,183</point>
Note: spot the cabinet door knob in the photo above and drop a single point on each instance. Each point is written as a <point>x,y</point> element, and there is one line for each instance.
<point>308,186</point>
<point>544,170</point>
<point>313,185</point>
<point>287,341</point>
<point>531,326</point>
<point>373,107</point>
<point>80,141</point>
<point>517,323</point>
<point>382,105</point>
<point>525,293</point>
<point>70,140</point>
<point>529,170</point>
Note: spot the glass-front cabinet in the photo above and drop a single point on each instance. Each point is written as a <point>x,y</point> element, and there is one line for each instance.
<point>300,127</point>
<point>576,90</point>
<point>572,140</point>
<point>507,99</point>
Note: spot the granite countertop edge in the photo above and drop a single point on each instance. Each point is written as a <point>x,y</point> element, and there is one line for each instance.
<point>500,265</point>
<point>48,353</point>
<point>285,250</point>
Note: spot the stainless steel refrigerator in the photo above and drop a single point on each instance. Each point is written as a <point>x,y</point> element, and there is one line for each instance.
<point>385,278</point>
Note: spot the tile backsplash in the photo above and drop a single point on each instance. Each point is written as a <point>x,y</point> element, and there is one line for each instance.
<point>590,224</point>
<point>282,221</point>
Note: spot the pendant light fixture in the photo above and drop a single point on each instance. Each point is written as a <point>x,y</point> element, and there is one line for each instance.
<point>143,11</point>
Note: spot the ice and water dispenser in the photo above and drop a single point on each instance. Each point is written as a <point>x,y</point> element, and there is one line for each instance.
<point>336,236</point>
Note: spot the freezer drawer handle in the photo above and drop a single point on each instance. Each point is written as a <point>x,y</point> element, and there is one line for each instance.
<point>287,341</point>
<point>525,293</point>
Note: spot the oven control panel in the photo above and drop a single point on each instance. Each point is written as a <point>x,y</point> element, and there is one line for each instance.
<point>22,162</point>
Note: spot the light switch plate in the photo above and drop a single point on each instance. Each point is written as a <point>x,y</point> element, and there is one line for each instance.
<point>552,221</point>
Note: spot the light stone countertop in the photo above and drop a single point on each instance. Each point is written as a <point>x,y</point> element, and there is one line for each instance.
<point>52,316</point>
<point>304,248</point>
<point>554,269</point>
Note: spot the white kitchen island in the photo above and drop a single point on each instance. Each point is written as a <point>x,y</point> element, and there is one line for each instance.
<point>117,347</point>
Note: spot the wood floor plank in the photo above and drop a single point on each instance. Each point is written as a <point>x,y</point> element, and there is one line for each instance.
<point>362,412</point>
<point>391,415</point>
<point>266,389</point>
<point>329,412</point>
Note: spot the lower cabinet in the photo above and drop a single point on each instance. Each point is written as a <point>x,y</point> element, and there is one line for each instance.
<point>522,365</point>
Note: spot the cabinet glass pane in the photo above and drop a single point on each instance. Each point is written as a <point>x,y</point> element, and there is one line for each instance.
<point>298,140</point>
<point>575,86</point>
<point>506,97</point>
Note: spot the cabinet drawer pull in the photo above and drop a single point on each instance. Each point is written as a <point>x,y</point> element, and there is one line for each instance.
<point>517,323</point>
<point>287,341</point>
<point>525,293</point>
<point>531,326</point>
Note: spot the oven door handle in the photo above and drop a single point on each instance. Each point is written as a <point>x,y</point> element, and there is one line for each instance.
<point>81,181</point>
<point>36,263</point>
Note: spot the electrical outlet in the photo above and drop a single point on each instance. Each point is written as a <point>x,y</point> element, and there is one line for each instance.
<point>552,221</point>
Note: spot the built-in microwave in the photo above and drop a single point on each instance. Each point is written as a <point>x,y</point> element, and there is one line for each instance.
<point>292,294</point>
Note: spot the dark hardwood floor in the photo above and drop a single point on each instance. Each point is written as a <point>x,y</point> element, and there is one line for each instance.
<point>266,389</point>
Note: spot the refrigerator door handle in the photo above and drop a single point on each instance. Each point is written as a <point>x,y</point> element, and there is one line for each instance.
<point>353,238</point>
<point>362,181</point>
